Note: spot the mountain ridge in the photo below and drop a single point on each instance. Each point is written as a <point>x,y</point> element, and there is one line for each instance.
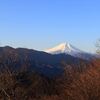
<point>67,48</point>
<point>32,60</point>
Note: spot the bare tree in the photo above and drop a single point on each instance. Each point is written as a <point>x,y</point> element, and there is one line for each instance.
<point>98,46</point>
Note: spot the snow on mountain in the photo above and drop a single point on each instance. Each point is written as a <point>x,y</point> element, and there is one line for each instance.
<point>69,49</point>
<point>63,48</point>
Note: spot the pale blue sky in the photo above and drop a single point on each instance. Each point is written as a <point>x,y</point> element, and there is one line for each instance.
<point>41,24</point>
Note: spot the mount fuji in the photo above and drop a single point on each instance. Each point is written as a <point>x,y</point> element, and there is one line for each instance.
<point>68,49</point>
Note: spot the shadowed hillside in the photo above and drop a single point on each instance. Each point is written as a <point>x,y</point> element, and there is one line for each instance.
<point>71,85</point>
<point>32,60</point>
<point>32,75</point>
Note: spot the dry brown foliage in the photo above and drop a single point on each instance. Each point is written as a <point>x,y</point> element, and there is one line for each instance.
<point>72,85</point>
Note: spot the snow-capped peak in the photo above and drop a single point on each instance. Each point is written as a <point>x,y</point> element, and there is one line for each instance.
<point>63,48</point>
<point>66,48</point>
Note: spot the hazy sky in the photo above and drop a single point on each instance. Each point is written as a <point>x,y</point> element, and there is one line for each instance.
<point>40,24</point>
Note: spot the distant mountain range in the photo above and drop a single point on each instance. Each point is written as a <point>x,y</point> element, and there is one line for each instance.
<point>32,60</point>
<point>66,48</point>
